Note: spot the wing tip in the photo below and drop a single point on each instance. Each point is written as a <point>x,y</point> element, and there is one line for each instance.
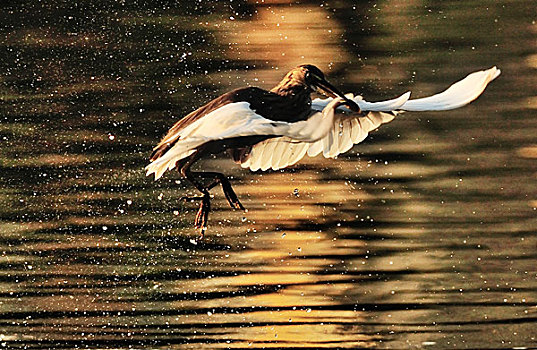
<point>495,72</point>
<point>156,169</point>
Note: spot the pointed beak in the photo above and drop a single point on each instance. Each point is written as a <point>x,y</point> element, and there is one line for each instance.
<point>329,90</point>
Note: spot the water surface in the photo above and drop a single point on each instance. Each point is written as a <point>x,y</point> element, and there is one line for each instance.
<point>422,236</point>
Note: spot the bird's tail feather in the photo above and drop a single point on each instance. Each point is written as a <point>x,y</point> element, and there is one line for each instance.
<point>161,165</point>
<point>168,160</point>
<point>156,168</point>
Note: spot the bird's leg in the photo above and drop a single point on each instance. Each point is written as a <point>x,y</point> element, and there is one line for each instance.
<point>231,196</point>
<point>220,178</point>
<point>191,198</point>
<point>202,217</point>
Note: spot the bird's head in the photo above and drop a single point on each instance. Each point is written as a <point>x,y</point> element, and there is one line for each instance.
<point>312,78</point>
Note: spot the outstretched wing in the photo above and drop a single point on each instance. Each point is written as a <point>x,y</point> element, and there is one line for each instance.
<point>231,120</point>
<point>347,130</point>
<point>457,95</point>
<point>238,120</point>
<point>278,153</point>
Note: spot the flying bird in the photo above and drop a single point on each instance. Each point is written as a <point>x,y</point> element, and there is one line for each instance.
<point>274,129</point>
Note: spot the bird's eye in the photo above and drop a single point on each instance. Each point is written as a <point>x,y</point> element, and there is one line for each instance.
<point>307,75</point>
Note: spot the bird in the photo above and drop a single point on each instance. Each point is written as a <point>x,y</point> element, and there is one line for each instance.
<point>273,129</point>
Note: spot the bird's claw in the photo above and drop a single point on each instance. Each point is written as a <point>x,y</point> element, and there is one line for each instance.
<point>235,203</point>
<point>202,233</point>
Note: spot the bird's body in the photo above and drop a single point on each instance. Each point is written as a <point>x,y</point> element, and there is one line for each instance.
<point>271,105</point>
<point>273,129</point>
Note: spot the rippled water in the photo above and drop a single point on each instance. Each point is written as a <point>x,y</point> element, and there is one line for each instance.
<point>422,236</point>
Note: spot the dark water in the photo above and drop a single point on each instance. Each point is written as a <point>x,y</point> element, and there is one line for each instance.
<point>424,236</point>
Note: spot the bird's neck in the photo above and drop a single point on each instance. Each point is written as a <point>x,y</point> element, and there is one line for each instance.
<point>297,98</point>
<point>289,88</point>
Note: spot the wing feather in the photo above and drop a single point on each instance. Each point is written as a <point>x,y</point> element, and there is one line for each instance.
<point>299,151</point>
<point>229,121</point>
<point>280,152</point>
<point>457,95</point>
<point>268,153</point>
<point>349,130</point>
<point>346,141</point>
<point>328,140</point>
<point>293,140</point>
<point>356,130</point>
<point>279,155</point>
<point>315,148</point>
<point>257,157</point>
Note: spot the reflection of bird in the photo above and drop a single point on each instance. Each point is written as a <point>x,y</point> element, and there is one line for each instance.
<point>274,129</point>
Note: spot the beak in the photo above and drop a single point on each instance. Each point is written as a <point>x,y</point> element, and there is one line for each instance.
<point>328,89</point>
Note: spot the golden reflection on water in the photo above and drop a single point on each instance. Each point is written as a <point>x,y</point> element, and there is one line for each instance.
<point>283,37</point>
<point>425,238</point>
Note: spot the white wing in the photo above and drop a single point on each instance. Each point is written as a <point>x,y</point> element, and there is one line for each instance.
<point>382,106</point>
<point>457,95</point>
<point>237,120</point>
<point>231,120</point>
<point>278,153</point>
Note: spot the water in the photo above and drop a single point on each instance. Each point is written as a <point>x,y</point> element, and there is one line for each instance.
<point>423,236</point>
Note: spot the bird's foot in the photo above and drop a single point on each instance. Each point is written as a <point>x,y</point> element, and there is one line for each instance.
<point>202,217</point>
<point>231,197</point>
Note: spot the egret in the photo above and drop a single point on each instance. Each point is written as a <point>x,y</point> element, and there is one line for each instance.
<point>274,129</point>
